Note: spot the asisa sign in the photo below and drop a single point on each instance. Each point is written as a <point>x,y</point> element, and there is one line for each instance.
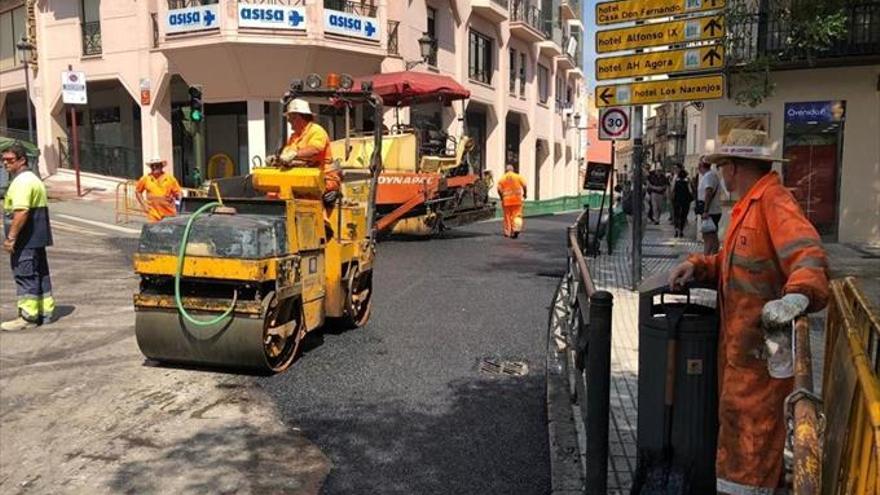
<point>337,22</point>
<point>271,17</point>
<point>192,19</point>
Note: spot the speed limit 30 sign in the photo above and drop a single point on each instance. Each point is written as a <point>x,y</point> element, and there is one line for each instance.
<point>614,123</point>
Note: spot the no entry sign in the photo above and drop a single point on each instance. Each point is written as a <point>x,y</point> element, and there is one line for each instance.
<point>614,123</point>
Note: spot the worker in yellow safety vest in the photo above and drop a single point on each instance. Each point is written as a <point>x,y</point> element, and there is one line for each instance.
<point>162,190</point>
<point>512,190</point>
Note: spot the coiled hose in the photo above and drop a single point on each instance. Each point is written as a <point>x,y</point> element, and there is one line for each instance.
<point>181,255</point>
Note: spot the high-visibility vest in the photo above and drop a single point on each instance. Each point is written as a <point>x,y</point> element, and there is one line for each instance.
<point>511,188</point>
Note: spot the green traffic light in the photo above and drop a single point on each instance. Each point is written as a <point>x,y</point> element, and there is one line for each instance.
<point>195,115</point>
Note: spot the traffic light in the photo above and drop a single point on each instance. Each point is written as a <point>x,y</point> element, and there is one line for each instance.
<point>195,104</point>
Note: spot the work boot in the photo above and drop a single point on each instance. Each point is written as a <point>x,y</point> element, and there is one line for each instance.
<point>515,234</point>
<point>17,324</point>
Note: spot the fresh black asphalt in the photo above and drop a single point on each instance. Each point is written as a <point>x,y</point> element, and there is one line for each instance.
<point>400,405</point>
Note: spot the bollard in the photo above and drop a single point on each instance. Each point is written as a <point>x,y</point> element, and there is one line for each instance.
<point>598,390</point>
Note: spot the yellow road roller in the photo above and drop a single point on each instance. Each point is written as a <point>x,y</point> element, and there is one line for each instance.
<point>240,277</point>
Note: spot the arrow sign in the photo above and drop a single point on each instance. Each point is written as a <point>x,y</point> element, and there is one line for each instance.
<point>648,93</point>
<point>639,10</point>
<point>659,63</point>
<point>712,55</point>
<point>704,28</point>
<point>606,96</point>
<point>712,25</point>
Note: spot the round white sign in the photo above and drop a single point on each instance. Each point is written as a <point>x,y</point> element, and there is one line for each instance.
<point>615,122</point>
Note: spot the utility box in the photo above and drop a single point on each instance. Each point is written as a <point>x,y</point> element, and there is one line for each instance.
<point>694,409</point>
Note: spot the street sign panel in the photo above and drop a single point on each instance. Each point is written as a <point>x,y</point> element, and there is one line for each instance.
<point>639,10</point>
<point>656,63</point>
<point>661,33</point>
<point>647,93</point>
<point>73,88</point>
<point>597,176</point>
<point>614,123</point>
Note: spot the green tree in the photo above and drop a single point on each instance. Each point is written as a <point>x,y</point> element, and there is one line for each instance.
<point>765,33</point>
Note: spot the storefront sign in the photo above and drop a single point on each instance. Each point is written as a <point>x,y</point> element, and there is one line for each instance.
<point>657,63</point>
<point>271,17</point>
<point>346,24</point>
<point>639,10</point>
<point>192,19</point>
<point>597,176</point>
<point>646,93</point>
<point>661,33</point>
<point>815,112</point>
<point>73,88</point>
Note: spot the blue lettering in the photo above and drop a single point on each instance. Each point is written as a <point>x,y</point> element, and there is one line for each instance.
<point>345,22</point>
<point>262,14</point>
<point>183,18</point>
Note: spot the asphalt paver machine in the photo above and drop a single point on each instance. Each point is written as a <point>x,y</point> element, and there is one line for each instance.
<point>240,277</point>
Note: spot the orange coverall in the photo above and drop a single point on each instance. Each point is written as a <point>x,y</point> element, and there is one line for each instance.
<point>770,249</point>
<point>511,188</point>
<point>313,135</point>
<point>161,193</point>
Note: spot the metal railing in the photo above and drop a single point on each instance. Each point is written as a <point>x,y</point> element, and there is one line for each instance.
<point>579,349</point>
<point>393,38</point>
<point>182,4</point>
<point>364,8</point>
<point>154,19</point>
<point>289,3</point>
<point>768,33</point>
<point>91,38</point>
<point>103,159</point>
<point>526,12</point>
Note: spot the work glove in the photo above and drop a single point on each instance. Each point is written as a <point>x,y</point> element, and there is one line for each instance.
<point>272,161</point>
<point>777,318</point>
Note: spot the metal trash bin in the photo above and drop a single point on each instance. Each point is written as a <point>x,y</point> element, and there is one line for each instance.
<point>694,409</point>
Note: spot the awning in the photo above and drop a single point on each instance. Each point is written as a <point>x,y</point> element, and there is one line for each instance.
<point>408,88</point>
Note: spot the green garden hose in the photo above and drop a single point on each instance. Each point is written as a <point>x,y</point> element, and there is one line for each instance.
<point>181,254</point>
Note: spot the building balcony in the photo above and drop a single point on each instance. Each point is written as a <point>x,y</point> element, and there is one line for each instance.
<point>553,34</point>
<point>768,33</point>
<point>525,21</point>
<point>493,10</point>
<point>570,10</point>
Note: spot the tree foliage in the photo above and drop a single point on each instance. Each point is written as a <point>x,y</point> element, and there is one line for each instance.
<point>765,33</point>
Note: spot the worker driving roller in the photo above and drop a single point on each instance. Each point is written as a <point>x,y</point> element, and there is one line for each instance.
<point>309,145</point>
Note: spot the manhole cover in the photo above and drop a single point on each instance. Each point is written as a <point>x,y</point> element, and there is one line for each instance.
<point>492,366</point>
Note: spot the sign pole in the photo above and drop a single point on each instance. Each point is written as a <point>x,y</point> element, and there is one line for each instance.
<point>75,148</point>
<point>611,200</point>
<point>638,201</point>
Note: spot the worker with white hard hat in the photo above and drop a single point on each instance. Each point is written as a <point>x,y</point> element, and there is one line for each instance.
<point>309,143</point>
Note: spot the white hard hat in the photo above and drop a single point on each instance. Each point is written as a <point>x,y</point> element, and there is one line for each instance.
<point>298,105</point>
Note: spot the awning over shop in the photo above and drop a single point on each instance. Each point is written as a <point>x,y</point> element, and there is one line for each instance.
<point>408,88</point>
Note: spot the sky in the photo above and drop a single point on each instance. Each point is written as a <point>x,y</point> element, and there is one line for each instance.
<point>589,13</point>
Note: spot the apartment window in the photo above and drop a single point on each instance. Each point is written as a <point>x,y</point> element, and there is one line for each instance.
<point>522,74</point>
<point>432,33</point>
<point>12,27</point>
<point>543,84</point>
<point>91,27</point>
<point>559,91</point>
<point>512,71</point>
<point>480,57</point>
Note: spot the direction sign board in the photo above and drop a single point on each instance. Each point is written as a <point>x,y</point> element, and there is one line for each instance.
<point>614,123</point>
<point>647,93</point>
<point>656,63</point>
<point>661,33</point>
<point>639,10</point>
<point>73,88</point>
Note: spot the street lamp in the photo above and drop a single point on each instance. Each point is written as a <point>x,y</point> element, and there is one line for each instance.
<point>25,48</point>
<point>426,48</point>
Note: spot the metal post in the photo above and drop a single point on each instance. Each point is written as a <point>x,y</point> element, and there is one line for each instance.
<point>611,202</point>
<point>27,90</point>
<point>598,390</point>
<point>638,203</point>
<point>75,148</point>
<point>807,453</point>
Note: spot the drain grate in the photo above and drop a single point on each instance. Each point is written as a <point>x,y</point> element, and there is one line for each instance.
<point>492,366</point>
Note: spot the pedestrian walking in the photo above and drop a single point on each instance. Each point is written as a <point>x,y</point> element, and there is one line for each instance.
<point>771,269</point>
<point>708,206</point>
<point>513,192</point>
<point>27,234</point>
<point>681,200</point>
<point>657,185</point>
<point>161,191</point>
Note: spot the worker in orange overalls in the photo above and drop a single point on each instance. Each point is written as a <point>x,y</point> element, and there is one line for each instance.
<point>771,269</point>
<point>162,190</point>
<point>512,190</point>
<point>309,144</point>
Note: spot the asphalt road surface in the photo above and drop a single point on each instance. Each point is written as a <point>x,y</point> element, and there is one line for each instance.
<point>401,405</point>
